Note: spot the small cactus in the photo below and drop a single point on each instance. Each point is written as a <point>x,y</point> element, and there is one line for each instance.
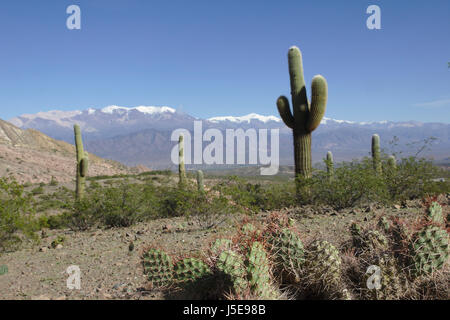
<point>159,267</point>
<point>181,168</point>
<point>392,163</point>
<point>368,240</point>
<point>288,251</point>
<point>330,165</point>
<point>429,249</point>
<point>434,213</point>
<point>323,264</point>
<point>82,164</point>
<point>200,186</point>
<point>391,282</point>
<point>376,153</point>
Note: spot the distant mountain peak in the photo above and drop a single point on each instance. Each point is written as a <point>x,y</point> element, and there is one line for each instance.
<point>143,109</point>
<point>247,118</point>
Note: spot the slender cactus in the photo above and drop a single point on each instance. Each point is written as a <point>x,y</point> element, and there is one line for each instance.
<point>82,164</point>
<point>181,168</point>
<point>200,185</point>
<point>392,163</point>
<point>330,165</point>
<point>306,116</point>
<point>376,153</point>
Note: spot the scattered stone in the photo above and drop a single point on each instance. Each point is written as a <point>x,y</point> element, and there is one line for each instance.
<point>59,246</point>
<point>43,249</point>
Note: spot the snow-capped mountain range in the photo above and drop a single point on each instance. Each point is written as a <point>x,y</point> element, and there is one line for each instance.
<point>141,135</point>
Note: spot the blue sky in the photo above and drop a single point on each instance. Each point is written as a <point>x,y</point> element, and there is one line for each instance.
<point>213,58</point>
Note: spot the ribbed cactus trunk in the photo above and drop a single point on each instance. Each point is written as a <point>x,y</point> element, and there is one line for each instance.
<point>82,164</point>
<point>330,165</point>
<point>181,168</point>
<point>306,116</point>
<point>376,153</point>
<point>200,185</point>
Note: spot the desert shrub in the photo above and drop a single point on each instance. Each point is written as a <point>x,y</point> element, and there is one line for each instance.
<point>256,196</point>
<point>413,178</point>
<point>16,214</point>
<point>175,202</point>
<point>37,190</point>
<point>115,206</point>
<point>353,183</point>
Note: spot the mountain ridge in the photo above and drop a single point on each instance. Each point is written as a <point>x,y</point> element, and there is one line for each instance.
<point>141,135</point>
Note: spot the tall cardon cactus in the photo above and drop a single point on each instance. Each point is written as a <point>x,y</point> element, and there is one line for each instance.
<point>82,163</point>
<point>376,153</point>
<point>306,116</point>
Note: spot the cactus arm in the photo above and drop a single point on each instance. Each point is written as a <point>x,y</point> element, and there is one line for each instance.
<point>319,95</point>
<point>285,111</point>
<point>83,167</point>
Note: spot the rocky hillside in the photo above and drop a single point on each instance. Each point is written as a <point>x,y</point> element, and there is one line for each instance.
<point>31,156</point>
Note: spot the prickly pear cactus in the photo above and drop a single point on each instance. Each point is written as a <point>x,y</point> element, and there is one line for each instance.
<point>288,251</point>
<point>190,269</point>
<point>231,264</point>
<point>391,281</point>
<point>220,245</point>
<point>258,270</point>
<point>159,267</point>
<point>368,240</point>
<point>429,250</point>
<point>323,263</point>
<point>434,213</point>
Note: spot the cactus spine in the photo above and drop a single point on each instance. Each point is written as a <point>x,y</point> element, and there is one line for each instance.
<point>200,185</point>
<point>181,168</point>
<point>82,163</point>
<point>376,153</point>
<point>306,116</point>
<point>330,165</point>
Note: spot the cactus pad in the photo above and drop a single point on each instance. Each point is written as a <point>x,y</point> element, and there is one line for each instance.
<point>158,266</point>
<point>429,249</point>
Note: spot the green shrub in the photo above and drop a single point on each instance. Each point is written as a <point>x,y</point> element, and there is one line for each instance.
<point>16,215</point>
<point>413,178</point>
<point>353,183</point>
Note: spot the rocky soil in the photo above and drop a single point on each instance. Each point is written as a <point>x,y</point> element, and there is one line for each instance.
<point>109,270</point>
